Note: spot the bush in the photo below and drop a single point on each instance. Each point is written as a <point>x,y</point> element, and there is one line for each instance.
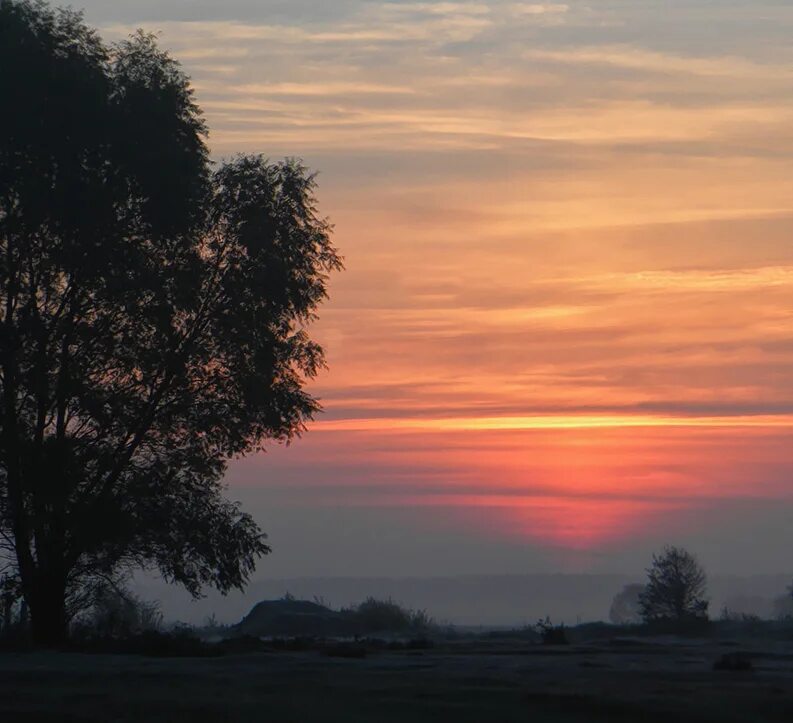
<point>551,634</point>
<point>373,616</point>
<point>117,613</point>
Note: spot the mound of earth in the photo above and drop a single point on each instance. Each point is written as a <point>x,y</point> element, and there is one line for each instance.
<point>293,618</point>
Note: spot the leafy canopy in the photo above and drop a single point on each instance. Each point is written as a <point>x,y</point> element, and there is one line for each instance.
<point>153,312</point>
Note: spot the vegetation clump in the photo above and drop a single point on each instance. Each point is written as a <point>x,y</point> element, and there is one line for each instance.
<point>551,634</point>
<point>377,616</point>
<point>115,612</point>
<point>291,617</point>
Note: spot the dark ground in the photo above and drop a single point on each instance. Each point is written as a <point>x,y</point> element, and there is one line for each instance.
<point>613,680</point>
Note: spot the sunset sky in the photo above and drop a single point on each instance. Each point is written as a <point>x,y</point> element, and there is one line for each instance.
<point>564,335</point>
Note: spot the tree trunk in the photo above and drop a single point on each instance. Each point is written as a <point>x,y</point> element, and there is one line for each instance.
<point>24,617</point>
<point>48,622</point>
<point>7,622</point>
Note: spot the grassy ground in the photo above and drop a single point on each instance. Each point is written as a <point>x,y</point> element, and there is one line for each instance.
<point>470,680</point>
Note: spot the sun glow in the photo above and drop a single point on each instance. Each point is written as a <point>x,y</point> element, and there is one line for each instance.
<point>568,300</point>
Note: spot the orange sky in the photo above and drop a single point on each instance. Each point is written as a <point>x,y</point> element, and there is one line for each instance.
<point>567,314</point>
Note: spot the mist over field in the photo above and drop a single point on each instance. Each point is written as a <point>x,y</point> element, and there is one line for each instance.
<point>468,600</point>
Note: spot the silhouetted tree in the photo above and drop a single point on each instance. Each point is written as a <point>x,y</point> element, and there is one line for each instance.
<point>676,587</point>
<point>152,316</point>
<point>626,608</point>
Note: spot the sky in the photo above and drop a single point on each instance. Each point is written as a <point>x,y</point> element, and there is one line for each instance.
<point>564,335</point>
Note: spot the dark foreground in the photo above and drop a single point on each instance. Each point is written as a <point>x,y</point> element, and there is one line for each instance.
<point>617,680</point>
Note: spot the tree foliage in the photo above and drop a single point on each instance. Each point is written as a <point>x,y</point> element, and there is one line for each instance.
<point>676,588</point>
<point>153,314</point>
<point>626,606</point>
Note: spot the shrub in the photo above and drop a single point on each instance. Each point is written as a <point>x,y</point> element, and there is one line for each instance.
<point>551,634</point>
<point>117,613</point>
<point>373,616</point>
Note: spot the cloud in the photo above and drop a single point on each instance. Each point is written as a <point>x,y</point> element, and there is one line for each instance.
<point>652,61</point>
<point>567,235</point>
<point>340,89</point>
<point>434,8</point>
<point>539,8</point>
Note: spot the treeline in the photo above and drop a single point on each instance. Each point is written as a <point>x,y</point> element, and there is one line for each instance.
<point>115,613</point>
<point>676,592</point>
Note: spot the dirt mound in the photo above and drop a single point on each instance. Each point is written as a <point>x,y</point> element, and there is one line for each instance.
<point>293,617</point>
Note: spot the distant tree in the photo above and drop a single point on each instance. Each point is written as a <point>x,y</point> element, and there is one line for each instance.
<point>152,317</point>
<point>626,606</point>
<point>783,605</point>
<point>676,587</point>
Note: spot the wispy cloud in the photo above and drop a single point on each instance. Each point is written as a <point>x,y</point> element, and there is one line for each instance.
<point>567,235</point>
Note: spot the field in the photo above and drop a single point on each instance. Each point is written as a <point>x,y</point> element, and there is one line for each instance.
<point>621,679</point>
